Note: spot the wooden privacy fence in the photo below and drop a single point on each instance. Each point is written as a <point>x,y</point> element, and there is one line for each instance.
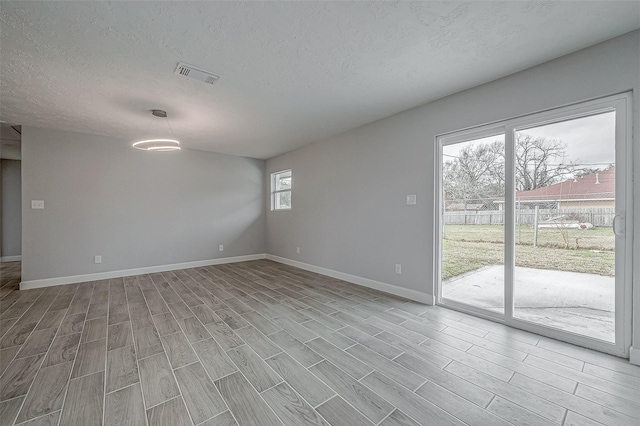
<point>598,216</point>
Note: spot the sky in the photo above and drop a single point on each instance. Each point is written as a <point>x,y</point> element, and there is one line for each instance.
<point>590,140</point>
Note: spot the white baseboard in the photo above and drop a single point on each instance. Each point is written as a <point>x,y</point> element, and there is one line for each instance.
<point>634,355</point>
<point>365,282</point>
<point>47,282</point>
<point>17,258</point>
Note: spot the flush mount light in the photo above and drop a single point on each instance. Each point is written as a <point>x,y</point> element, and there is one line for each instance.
<point>158,144</point>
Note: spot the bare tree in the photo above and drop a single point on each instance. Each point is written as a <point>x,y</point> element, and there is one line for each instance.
<point>472,173</point>
<point>540,162</point>
<point>478,172</point>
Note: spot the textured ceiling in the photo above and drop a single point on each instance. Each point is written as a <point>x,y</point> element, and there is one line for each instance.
<point>292,72</point>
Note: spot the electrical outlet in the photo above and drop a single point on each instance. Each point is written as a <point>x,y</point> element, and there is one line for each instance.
<point>411,200</point>
<point>37,204</point>
<point>298,250</point>
<point>220,247</point>
<point>97,259</point>
<point>398,269</point>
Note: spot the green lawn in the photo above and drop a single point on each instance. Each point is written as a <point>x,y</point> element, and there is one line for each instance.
<point>470,247</point>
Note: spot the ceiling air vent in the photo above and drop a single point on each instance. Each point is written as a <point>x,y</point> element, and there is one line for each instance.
<point>196,73</point>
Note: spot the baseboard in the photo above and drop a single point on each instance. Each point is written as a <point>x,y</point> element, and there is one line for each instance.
<point>365,282</point>
<point>11,258</point>
<point>47,282</point>
<point>634,355</point>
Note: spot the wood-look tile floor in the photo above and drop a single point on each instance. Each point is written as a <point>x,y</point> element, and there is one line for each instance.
<point>260,343</point>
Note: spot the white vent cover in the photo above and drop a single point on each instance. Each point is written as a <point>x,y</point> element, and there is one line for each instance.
<point>196,73</point>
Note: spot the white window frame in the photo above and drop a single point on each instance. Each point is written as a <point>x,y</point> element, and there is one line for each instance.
<point>274,191</point>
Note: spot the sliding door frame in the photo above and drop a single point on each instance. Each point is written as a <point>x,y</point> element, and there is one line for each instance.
<point>622,105</point>
<point>442,141</point>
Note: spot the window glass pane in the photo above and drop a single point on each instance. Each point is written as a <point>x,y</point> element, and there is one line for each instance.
<point>565,206</point>
<point>473,185</point>
<point>283,200</point>
<point>283,181</point>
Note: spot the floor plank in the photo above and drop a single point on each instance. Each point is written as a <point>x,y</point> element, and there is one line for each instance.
<point>304,382</point>
<point>258,342</point>
<point>224,335</point>
<point>340,359</point>
<point>125,407</point>
<point>291,408</point>
<point>9,410</point>
<point>245,403</point>
<point>18,377</point>
<point>364,400</point>
<point>147,342</point>
<point>122,368</point>
<point>84,402</point>
<point>37,343</point>
<point>296,349</point>
<point>213,359</point>
<point>340,413</point>
<point>398,418</point>
<point>90,359</point>
<point>158,384</point>
<point>224,419</point>
<point>178,350</point>
<point>200,394</point>
<point>254,369</point>
<point>120,335</point>
<point>47,392</point>
<point>418,408</point>
<point>63,349</point>
<point>170,413</point>
<point>391,369</point>
<point>51,419</point>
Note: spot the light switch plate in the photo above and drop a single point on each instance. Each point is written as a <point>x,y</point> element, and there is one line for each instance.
<point>37,204</point>
<point>411,199</point>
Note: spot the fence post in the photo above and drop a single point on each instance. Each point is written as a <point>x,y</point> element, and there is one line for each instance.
<point>535,227</point>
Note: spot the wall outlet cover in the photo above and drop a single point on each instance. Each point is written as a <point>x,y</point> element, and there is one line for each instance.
<point>221,247</point>
<point>411,199</point>
<point>37,204</point>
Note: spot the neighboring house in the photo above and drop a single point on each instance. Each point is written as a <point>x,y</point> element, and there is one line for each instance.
<point>595,190</point>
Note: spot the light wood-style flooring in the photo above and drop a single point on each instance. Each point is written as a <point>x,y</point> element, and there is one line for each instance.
<point>261,343</point>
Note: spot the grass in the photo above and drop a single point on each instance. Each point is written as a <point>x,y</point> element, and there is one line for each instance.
<point>589,239</point>
<point>469,247</point>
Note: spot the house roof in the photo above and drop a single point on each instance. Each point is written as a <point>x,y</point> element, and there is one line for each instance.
<point>594,186</point>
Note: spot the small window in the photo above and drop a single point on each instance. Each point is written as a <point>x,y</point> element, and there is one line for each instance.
<point>281,190</point>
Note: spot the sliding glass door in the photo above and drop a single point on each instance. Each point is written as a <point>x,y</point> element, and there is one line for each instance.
<point>533,223</point>
<point>472,226</point>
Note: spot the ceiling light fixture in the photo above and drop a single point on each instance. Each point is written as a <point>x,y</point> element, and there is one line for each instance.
<point>158,144</point>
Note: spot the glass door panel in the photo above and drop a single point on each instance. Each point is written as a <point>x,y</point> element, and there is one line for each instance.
<point>565,177</point>
<point>473,188</point>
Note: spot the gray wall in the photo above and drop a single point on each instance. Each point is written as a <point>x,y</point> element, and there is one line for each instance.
<point>11,213</point>
<point>349,208</point>
<point>135,208</point>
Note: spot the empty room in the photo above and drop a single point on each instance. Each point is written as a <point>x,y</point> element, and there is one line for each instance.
<point>319,213</point>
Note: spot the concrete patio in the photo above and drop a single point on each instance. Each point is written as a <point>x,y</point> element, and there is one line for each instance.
<point>575,302</point>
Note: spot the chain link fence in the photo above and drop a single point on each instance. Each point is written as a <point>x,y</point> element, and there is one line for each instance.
<point>571,224</point>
